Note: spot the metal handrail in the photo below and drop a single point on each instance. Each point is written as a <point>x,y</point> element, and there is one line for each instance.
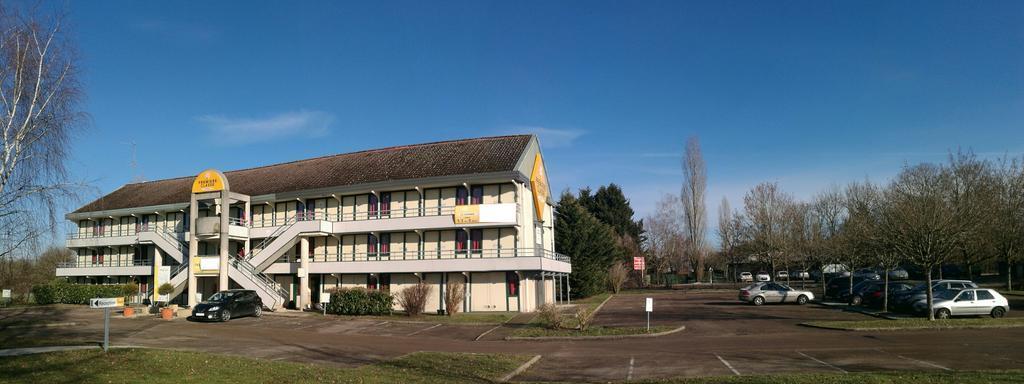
<point>259,277</point>
<point>105,263</point>
<point>359,216</point>
<point>178,268</point>
<point>266,241</point>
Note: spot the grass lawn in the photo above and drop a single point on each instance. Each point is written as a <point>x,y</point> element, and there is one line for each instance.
<point>591,304</point>
<point>594,330</point>
<point>458,318</point>
<point>165,366</point>
<point>1012,376</point>
<point>910,324</point>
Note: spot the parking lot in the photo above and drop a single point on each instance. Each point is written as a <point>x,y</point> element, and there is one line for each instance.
<point>722,337</point>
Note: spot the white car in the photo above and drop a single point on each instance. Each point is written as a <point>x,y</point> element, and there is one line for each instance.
<point>764,276</point>
<point>968,302</point>
<point>782,275</point>
<point>746,277</point>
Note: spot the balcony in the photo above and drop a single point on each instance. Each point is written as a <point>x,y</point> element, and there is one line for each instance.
<point>429,261</point>
<point>209,227</point>
<point>478,215</point>
<point>103,237</point>
<point>109,266</point>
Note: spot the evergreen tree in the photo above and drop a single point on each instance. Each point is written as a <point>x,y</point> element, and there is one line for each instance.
<point>590,243</point>
<point>610,206</point>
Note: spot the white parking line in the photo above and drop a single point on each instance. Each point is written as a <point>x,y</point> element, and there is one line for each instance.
<point>486,332</point>
<point>424,329</point>
<point>822,362</point>
<point>380,323</point>
<point>629,374</point>
<point>922,362</point>
<point>727,365</point>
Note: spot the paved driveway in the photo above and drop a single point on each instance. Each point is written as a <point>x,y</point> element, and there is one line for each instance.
<point>722,338</point>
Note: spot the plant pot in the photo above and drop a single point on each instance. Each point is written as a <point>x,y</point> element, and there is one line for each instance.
<point>129,312</point>
<point>166,313</point>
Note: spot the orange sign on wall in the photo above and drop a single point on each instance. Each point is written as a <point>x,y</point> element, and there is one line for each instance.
<point>539,185</point>
<point>210,180</point>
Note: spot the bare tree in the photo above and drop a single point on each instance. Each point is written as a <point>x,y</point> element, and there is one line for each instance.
<point>618,273</point>
<point>730,225</point>
<point>40,99</point>
<point>694,210</point>
<point>931,213</point>
<point>829,213</point>
<point>765,207</point>
<point>1006,229</point>
<point>664,241</point>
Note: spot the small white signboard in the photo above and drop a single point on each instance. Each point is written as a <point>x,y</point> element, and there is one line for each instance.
<point>301,272</point>
<point>650,304</point>
<point>6,294</point>
<point>107,302</point>
<point>325,297</point>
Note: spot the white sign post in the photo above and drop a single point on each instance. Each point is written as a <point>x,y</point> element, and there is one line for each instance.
<point>649,307</point>
<point>106,304</point>
<point>324,300</point>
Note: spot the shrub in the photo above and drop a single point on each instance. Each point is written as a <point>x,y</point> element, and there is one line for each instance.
<point>359,301</point>
<point>414,299</point>
<point>130,289</point>
<point>584,317</point>
<point>454,294</point>
<point>617,276</point>
<point>549,316</point>
<point>60,291</point>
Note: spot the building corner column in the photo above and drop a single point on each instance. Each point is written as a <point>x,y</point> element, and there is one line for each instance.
<point>304,291</point>
<point>225,213</point>
<point>155,282</point>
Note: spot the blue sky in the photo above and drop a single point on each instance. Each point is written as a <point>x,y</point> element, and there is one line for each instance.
<point>805,93</point>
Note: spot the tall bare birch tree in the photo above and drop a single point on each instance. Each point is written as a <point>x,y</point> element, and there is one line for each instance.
<point>40,100</point>
<point>695,182</point>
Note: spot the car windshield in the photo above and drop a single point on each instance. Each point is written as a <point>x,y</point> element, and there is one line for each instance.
<point>221,296</point>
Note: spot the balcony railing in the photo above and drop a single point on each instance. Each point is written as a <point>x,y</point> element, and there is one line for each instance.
<point>430,255</point>
<point>356,216</point>
<point>130,230</point>
<point>105,263</point>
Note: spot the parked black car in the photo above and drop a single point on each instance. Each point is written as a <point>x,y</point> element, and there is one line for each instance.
<point>839,287</point>
<point>225,305</point>
<point>872,296</point>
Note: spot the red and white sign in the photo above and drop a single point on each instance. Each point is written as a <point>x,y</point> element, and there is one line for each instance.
<point>639,264</point>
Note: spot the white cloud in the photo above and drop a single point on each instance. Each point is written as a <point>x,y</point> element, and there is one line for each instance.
<point>551,137</point>
<point>244,129</point>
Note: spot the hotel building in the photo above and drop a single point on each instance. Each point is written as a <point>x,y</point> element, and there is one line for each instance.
<point>477,211</point>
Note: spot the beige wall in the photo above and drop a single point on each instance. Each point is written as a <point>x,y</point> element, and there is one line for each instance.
<point>487,291</point>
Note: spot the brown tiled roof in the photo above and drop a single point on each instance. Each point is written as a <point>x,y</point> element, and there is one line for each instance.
<point>457,157</point>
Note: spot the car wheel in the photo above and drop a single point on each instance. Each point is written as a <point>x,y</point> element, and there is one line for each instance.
<point>942,313</point>
<point>758,300</point>
<point>856,300</point>
<point>259,311</point>
<point>801,300</point>
<point>998,312</point>
<point>225,316</point>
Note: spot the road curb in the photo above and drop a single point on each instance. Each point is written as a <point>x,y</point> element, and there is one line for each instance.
<point>521,369</point>
<point>599,306</point>
<point>600,337</point>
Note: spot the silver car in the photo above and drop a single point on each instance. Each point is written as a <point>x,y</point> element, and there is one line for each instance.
<point>772,292</point>
<point>969,302</point>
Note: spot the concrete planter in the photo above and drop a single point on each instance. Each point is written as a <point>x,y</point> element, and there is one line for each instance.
<point>166,313</point>
<point>129,312</point>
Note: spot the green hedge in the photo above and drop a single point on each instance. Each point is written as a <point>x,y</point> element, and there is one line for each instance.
<point>62,292</point>
<point>359,301</point>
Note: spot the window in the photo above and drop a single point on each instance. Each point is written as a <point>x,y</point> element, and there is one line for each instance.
<point>477,194</point>
<point>966,296</point>
<point>476,240</point>
<point>385,204</point>
<point>373,209</point>
<point>384,281</point>
<point>371,245</point>
<point>385,244</point>
<point>95,258</point>
<point>371,281</point>
<point>461,196</point>
<point>985,295</point>
<point>460,241</point>
<point>511,284</point>
<point>300,211</point>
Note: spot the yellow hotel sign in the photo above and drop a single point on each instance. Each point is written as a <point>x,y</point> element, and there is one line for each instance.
<point>467,214</point>
<point>210,180</point>
<point>539,185</point>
